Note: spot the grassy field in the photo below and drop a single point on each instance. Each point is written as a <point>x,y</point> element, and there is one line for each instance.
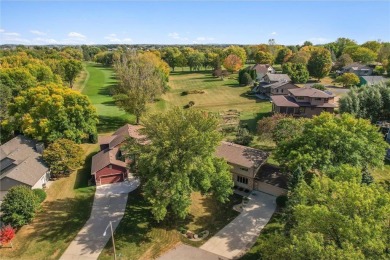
<point>65,210</point>
<point>138,236</point>
<point>220,95</point>
<point>97,88</point>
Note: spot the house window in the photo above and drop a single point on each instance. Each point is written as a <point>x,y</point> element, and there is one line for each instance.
<point>242,180</point>
<point>110,166</point>
<point>243,169</point>
<point>300,98</point>
<point>317,98</point>
<point>326,99</point>
<point>281,90</point>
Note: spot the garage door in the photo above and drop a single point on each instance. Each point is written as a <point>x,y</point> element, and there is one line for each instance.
<point>111,179</point>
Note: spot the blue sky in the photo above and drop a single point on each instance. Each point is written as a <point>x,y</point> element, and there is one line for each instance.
<point>174,22</point>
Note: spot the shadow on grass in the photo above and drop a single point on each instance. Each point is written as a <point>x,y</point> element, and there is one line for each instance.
<point>252,122</point>
<point>84,174</point>
<point>136,223</point>
<point>106,90</point>
<point>111,123</point>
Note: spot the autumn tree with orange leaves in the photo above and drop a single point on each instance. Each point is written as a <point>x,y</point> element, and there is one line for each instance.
<point>232,63</point>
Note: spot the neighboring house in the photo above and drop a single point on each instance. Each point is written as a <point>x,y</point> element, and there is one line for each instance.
<point>273,78</point>
<point>21,163</point>
<point>109,165</point>
<point>371,80</point>
<point>305,102</point>
<point>249,171</point>
<point>245,162</point>
<point>358,68</point>
<point>278,88</point>
<point>262,70</point>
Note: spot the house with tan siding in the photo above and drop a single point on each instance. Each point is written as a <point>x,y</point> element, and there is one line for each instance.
<point>304,102</point>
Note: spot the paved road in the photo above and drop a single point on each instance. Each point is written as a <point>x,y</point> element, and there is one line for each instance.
<point>239,235</point>
<point>185,252</point>
<point>109,204</point>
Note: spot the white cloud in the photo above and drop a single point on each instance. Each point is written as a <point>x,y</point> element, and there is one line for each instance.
<point>76,35</point>
<point>273,33</point>
<point>2,30</point>
<point>177,36</point>
<point>45,41</point>
<point>11,34</point>
<point>37,32</point>
<point>319,40</point>
<point>204,39</point>
<point>113,38</point>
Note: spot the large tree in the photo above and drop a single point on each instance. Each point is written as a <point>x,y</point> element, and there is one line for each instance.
<point>320,63</point>
<point>232,63</point>
<point>236,50</point>
<point>283,55</point>
<point>334,220</point>
<point>19,206</point>
<point>140,82</point>
<point>195,60</point>
<point>63,156</point>
<point>171,55</point>
<point>348,79</point>
<point>263,57</point>
<point>72,69</point>
<point>328,140</point>
<point>51,112</point>
<point>370,102</point>
<point>178,159</point>
<point>297,72</point>
<point>360,54</point>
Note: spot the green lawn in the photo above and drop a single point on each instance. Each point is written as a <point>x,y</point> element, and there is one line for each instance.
<point>64,212</point>
<point>97,88</point>
<point>382,175</point>
<point>220,95</point>
<point>138,236</point>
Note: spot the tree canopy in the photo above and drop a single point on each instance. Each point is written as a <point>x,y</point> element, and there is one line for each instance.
<point>328,140</point>
<point>180,159</point>
<point>320,63</point>
<point>232,63</point>
<point>63,156</point>
<point>141,80</point>
<point>348,79</point>
<point>297,72</point>
<point>370,102</point>
<point>51,112</point>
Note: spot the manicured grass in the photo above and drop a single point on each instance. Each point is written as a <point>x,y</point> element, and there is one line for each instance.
<point>64,212</point>
<point>220,95</point>
<point>382,175</point>
<point>97,88</point>
<point>139,236</point>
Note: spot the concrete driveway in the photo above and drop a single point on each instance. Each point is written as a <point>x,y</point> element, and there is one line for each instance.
<point>186,252</point>
<point>109,205</point>
<point>239,235</point>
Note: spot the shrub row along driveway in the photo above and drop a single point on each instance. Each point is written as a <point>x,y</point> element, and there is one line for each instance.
<point>109,205</point>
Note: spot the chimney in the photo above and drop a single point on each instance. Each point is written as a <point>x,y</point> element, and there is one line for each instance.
<point>40,147</point>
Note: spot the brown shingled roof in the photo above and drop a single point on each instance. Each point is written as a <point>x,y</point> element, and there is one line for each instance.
<point>310,92</point>
<point>284,101</point>
<point>241,155</point>
<point>105,158</point>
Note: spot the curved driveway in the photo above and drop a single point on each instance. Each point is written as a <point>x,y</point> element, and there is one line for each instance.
<point>109,205</point>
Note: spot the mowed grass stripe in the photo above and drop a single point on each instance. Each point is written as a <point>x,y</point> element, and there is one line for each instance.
<point>97,88</point>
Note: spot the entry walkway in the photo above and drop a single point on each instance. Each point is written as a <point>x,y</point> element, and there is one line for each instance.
<point>109,205</point>
<point>239,235</point>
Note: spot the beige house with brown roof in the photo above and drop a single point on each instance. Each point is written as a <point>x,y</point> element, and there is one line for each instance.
<point>245,162</point>
<point>304,102</point>
<point>21,163</point>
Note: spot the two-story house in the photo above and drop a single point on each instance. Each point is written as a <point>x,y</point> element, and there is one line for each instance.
<point>245,162</point>
<point>109,165</point>
<point>305,102</point>
<point>262,70</point>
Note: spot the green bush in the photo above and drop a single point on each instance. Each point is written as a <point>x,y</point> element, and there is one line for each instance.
<point>281,201</point>
<point>19,206</point>
<point>184,93</point>
<point>41,194</point>
<point>319,86</point>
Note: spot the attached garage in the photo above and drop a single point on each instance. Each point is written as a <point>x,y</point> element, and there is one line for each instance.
<point>111,179</point>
